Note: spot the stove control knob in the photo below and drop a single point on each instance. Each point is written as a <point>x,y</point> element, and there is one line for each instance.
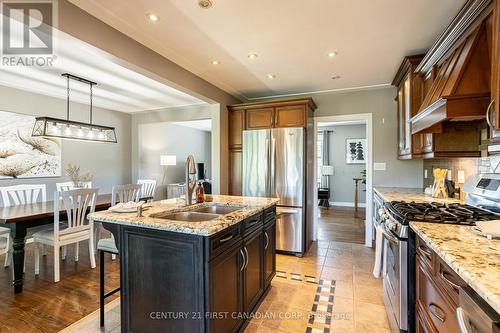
<point>381,211</point>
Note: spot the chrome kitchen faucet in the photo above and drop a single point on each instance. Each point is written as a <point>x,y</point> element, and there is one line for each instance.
<point>190,179</point>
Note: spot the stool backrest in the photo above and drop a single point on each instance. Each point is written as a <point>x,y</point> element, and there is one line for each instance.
<point>75,202</point>
<point>125,193</point>
<point>148,187</point>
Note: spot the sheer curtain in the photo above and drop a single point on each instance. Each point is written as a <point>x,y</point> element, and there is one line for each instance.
<point>325,154</point>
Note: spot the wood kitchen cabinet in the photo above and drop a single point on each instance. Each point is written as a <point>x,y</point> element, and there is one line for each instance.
<point>226,291</point>
<point>253,269</point>
<point>437,289</point>
<point>258,116</point>
<point>269,251</point>
<point>409,96</point>
<point>494,111</point>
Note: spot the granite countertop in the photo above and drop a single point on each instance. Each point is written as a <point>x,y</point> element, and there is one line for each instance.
<point>249,206</point>
<point>409,194</point>
<point>473,257</point>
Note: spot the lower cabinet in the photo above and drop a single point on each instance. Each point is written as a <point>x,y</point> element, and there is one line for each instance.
<point>253,274</point>
<point>437,293</point>
<point>240,274</point>
<point>226,289</point>
<point>269,252</point>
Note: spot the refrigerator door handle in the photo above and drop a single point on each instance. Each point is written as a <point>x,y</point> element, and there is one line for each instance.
<point>272,177</point>
<point>268,184</point>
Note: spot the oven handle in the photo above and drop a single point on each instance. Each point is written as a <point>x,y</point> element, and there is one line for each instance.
<point>390,237</point>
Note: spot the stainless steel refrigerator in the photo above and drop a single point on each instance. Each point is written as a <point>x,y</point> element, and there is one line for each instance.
<point>274,166</point>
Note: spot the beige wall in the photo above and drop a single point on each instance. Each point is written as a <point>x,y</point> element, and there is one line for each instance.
<point>114,163</point>
<point>379,102</point>
<point>207,111</point>
<point>137,57</point>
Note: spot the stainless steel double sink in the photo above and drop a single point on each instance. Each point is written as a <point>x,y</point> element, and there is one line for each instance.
<point>198,214</point>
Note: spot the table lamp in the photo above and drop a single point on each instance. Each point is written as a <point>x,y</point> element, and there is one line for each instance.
<point>327,171</point>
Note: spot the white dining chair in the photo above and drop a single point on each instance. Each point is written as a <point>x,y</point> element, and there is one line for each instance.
<point>79,228</point>
<point>148,187</point>
<point>19,195</point>
<point>66,186</point>
<point>119,193</point>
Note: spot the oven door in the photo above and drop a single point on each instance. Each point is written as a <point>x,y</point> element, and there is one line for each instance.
<point>394,285</point>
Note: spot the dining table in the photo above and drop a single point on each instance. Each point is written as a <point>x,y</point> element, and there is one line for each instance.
<point>20,218</point>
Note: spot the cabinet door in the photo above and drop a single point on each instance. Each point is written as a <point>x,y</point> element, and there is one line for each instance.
<point>290,116</point>
<point>269,252</point>
<point>235,172</point>
<point>401,121</point>
<point>432,304</point>
<point>259,118</point>
<point>226,289</point>
<point>236,125</point>
<point>495,71</point>
<point>253,282</point>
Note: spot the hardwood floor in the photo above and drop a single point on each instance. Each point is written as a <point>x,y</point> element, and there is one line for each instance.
<point>45,306</point>
<point>339,224</point>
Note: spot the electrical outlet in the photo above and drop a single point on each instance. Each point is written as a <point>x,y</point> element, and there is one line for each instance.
<point>425,173</point>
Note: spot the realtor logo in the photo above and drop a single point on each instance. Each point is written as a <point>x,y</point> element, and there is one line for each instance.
<point>27,32</point>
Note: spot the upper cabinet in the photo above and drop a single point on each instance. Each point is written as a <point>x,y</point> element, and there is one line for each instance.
<point>258,116</point>
<point>494,107</point>
<point>408,99</point>
<point>446,97</point>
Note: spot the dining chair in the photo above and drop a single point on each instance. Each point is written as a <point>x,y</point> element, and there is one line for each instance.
<point>148,187</point>
<point>79,228</point>
<point>66,186</point>
<point>19,195</point>
<point>125,193</point>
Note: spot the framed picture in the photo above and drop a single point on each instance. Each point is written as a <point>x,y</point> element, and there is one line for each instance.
<point>24,156</point>
<point>356,151</point>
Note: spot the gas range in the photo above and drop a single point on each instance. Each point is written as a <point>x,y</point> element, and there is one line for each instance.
<point>401,213</point>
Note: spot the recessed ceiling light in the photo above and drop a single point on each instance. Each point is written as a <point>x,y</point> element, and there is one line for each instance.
<point>271,76</point>
<point>253,55</point>
<point>205,4</point>
<point>153,17</point>
<point>332,54</point>
<point>215,62</point>
<point>335,77</point>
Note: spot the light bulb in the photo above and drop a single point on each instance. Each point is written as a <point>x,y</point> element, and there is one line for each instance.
<point>67,131</point>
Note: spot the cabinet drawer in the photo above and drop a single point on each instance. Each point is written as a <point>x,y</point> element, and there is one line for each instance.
<point>223,240</point>
<point>251,224</point>
<point>426,254</point>
<point>448,281</point>
<point>269,214</point>
<point>433,305</point>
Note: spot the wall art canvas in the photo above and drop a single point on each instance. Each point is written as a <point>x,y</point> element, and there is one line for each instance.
<point>24,156</point>
<point>356,151</point>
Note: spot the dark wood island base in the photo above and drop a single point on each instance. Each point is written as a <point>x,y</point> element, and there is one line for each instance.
<point>178,282</point>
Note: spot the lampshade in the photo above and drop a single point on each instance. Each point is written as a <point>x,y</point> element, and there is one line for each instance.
<point>327,170</point>
<point>168,160</point>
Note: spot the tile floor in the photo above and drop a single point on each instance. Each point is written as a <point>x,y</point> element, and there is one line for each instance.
<point>341,270</point>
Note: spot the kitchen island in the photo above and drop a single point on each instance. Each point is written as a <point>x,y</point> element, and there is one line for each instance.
<point>187,269</point>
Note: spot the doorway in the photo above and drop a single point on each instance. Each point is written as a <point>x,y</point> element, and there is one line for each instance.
<point>343,173</point>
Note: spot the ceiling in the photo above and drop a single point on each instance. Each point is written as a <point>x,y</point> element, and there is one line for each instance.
<point>204,124</point>
<point>291,37</point>
<point>118,88</point>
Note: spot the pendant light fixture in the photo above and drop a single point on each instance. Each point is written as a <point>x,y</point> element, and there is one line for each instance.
<point>74,130</point>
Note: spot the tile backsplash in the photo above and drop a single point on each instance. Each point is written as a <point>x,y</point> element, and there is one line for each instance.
<point>470,166</point>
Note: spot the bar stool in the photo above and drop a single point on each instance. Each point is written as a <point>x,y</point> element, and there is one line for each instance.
<point>105,245</point>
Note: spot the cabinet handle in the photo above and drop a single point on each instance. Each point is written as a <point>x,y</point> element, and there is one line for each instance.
<point>440,316</point>
<point>244,261</point>
<point>426,252</point>
<point>225,239</point>
<point>267,240</point>
<point>246,252</point>
<point>463,323</point>
<point>488,120</point>
<point>454,285</point>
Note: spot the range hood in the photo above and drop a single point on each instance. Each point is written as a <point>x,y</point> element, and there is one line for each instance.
<point>461,88</point>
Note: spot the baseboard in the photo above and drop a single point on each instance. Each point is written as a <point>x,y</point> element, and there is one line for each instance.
<point>346,204</point>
